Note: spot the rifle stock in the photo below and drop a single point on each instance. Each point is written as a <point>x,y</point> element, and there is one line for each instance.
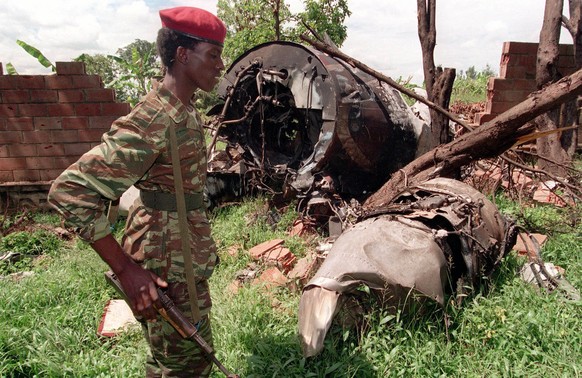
<point>177,319</point>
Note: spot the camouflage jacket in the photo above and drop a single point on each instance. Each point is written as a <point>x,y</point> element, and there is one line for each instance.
<point>136,152</point>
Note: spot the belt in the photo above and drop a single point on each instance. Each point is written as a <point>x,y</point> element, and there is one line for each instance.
<point>167,201</point>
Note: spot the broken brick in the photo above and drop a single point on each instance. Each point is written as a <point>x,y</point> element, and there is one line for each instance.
<point>522,247</point>
<point>259,250</point>
<point>272,277</point>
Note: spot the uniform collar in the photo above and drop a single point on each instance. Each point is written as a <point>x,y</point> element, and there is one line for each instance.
<point>172,104</point>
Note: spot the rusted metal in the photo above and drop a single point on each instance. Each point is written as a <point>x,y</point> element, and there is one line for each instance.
<point>430,241</point>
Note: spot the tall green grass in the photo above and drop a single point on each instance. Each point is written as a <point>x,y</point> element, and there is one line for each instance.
<point>48,321</point>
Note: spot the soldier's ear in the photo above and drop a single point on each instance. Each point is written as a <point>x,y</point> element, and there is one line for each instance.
<point>182,55</point>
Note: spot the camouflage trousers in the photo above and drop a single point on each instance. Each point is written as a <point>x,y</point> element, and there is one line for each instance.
<point>171,355</point>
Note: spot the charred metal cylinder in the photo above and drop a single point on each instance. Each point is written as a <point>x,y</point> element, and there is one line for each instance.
<point>303,114</point>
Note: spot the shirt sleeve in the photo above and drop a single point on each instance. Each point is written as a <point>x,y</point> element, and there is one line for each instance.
<point>81,193</point>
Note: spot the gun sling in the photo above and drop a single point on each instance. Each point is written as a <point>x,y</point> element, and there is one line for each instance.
<point>183,222</point>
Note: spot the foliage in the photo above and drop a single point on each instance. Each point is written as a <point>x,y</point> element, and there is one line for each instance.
<point>10,69</point>
<point>252,22</point>
<point>325,17</point>
<point>136,66</point>
<point>129,72</point>
<point>33,51</point>
<point>98,64</point>
<point>49,320</point>
<point>471,86</point>
<point>24,247</point>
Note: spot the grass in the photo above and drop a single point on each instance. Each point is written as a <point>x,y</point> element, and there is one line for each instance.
<point>48,321</point>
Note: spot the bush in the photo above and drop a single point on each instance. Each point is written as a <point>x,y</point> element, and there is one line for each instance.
<point>24,247</point>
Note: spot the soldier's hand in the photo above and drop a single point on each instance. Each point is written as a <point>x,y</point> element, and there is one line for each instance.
<point>140,286</point>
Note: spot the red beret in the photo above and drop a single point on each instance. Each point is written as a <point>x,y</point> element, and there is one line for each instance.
<point>195,23</point>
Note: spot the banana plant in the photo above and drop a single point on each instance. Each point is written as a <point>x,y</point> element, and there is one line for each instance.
<point>33,51</point>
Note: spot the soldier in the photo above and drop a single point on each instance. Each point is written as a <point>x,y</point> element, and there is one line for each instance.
<point>136,151</point>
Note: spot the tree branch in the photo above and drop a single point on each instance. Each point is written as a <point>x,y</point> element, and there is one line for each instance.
<point>334,52</point>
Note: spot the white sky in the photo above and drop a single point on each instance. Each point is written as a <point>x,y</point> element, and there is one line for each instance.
<point>382,33</point>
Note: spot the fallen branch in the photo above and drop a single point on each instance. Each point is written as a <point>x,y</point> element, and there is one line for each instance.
<point>489,140</point>
<point>333,51</point>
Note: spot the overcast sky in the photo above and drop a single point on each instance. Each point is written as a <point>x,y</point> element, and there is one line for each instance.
<point>381,33</point>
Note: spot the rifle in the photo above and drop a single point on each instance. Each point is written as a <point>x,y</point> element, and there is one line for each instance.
<point>177,319</point>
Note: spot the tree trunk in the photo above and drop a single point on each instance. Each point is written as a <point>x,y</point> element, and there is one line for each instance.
<point>490,139</point>
<point>438,82</point>
<point>559,147</point>
<point>277,17</point>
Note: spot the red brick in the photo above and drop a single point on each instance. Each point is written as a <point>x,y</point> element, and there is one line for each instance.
<point>76,149</point>
<point>4,150</point>
<point>7,137</point>
<point>259,250</point>
<point>116,109</point>
<point>87,81</point>
<point>529,61</point>
<point>15,96</point>
<point>64,136</point>
<point>566,62</point>
<point>8,81</point>
<point>566,49</point>
<point>74,123</point>
<point>517,72</point>
<point>6,176</point>
<point>60,110</point>
<point>509,96</point>
<point>65,161</point>
<point>3,124</point>
<point>59,82</point>
<point>101,122</point>
<point>19,124</point>
<point>10,164</point>
<point>33,110</point>
<point>50,149</point>
<point>30,82</point>
<point>93,109</point>
<point>100,95</point>
<point>70,68</point>
<point>500,84</point>
<point>498,107</point>
<point>481,118</point>
<point>26,175</point>
<point>50,174</point>
<point>520,48</point>
<point>8,110</point>
<point>47,123</point>
<point>90,136</point>
<point>37,136</point>
<point>71,95</point>
<point>271,277</point>
<point>40,163</point>
<point>43,95</point>
<point>22,150</point>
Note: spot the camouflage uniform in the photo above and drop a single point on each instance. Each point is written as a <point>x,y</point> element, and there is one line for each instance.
<point>136,152</point>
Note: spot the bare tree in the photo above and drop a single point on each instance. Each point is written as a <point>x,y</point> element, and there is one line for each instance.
<point>438,81</point>
<point>557,149</point>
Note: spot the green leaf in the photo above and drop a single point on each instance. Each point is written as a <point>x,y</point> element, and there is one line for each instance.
<point>33,51</point>
<point>10,69</point>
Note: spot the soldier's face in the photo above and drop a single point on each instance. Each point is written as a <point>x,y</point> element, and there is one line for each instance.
<point>206,65</point>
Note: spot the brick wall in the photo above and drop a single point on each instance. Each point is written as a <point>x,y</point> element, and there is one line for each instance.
<point>48,121</point>
<point>517,77</point>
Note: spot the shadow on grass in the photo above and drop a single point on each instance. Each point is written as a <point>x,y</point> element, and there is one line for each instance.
<point>280,356</point>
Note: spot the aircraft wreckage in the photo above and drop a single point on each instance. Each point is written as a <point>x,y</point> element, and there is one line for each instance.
<point>300,122</point>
